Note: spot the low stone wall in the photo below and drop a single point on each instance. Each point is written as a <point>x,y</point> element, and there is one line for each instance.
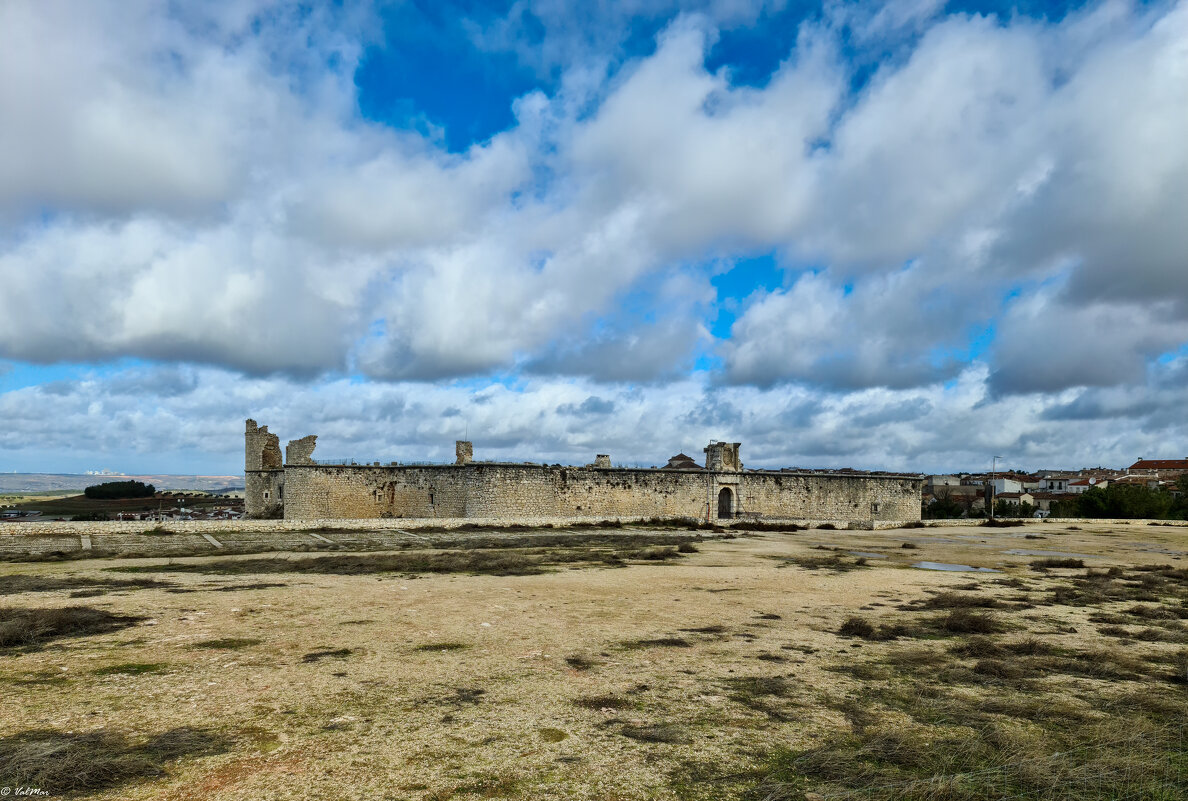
<point>99,528</point>
<point>45,528</point>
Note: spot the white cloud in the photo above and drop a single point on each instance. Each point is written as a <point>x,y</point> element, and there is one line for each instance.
<point>189,184</point>
<point>145,418</point>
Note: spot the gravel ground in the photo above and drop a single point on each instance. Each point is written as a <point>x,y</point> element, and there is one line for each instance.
<point>588,681</point>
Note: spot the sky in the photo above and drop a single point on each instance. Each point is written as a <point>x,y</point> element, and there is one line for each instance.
<point>910,235</point>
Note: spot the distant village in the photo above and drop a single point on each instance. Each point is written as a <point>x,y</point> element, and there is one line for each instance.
<point>1042,493</point>
<point>160,507</point>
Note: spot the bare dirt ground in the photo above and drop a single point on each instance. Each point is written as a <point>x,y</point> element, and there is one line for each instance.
<point>607,672</point>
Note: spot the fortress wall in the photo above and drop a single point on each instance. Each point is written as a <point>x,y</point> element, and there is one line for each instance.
<point>314,492</point>
<point>489,491</point>
<point>830,497</point>
<point>527,490</point>
<point>508,491</point>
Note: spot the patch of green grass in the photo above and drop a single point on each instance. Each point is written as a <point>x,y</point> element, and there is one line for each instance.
<point>598,702</point>
<point>131,669</point>
<point>492,785</point>
<point>227,643</point>
<point>762,694</point>
<point>522,555</point>
<point>580,661</point>
<point>442,646</point>
<point>18,583</point>
<point>834,562</point>
<point>657,642</point>
<point>551,735</point>
<point>654,733</point>
<point>43,678</point>
<point>924,727</point>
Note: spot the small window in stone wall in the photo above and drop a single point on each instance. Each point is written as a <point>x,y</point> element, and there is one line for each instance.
<point>265,494</point>
<point>431,499</point>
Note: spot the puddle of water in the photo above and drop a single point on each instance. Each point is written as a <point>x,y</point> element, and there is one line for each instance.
<point>1025,552</point>
<point>868,554</point>
<point>953,568</point>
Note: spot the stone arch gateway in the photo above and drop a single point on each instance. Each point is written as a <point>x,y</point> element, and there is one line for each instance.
<point>725,504</point>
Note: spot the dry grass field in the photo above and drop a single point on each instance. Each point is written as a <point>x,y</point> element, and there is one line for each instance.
<point>26,498</point>
<point>771,665</point>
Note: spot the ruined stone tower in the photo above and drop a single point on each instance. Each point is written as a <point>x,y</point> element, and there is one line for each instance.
<point>464,451</point>
<point>264,474</point>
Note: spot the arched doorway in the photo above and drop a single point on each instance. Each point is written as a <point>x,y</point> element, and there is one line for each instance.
<point>725,504</point>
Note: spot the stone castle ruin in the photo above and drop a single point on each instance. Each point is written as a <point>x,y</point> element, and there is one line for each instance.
<point>301,489</point>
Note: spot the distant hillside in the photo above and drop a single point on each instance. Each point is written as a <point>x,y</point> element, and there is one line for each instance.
<point>40,482</point>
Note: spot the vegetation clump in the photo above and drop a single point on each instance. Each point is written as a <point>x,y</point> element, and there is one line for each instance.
<point>112,490</point>
<point>327,653</point>
<point>598,702</point>
<point>99,760</point>
<point>654,733</point>
<point>131,669</point>
<point>227,643</point>
<point>22,627</point>
<point>856,626</point>
<point>18,583</point>
<point>495,556</point>
<point>834,562</point>
<point>657,642</point>
<point>1056,562</point>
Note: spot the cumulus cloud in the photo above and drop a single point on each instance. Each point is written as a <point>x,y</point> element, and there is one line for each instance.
<point>194,185</point>
<point>145,418</point>
<point>896,331</point>
<point>1098,344</point>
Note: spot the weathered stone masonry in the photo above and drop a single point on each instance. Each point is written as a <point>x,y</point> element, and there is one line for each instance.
<point>304,490</point>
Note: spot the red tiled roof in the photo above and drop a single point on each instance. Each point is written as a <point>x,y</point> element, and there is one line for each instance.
<point>1160,464</point>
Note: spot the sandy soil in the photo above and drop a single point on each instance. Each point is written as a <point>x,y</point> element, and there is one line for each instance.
<point>496,713</point>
